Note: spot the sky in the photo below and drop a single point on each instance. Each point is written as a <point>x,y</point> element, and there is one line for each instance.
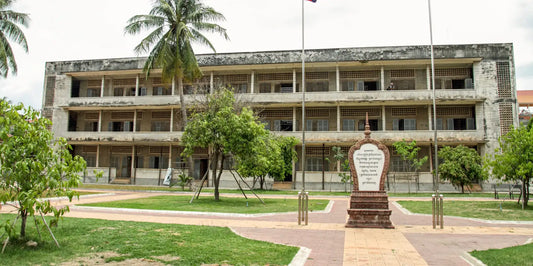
<point>81,29</point>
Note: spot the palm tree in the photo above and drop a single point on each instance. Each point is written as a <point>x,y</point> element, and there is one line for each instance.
<point>176,24</point>
<point>9,30</point>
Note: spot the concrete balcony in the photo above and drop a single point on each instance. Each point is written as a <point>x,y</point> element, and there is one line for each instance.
<point>281,99</point>
<point>469,137</point>
<point>366,97</point>
<point>118,137</point>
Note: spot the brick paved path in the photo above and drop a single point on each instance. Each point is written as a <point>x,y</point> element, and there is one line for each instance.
<point>412,242</point>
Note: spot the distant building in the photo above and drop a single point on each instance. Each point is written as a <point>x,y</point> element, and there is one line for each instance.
<point>130,127</point>
<point>525,100</point>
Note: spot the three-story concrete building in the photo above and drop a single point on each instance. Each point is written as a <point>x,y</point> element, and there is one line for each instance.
<point>130,127</point>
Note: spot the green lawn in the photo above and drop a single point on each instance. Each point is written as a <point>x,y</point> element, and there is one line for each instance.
<point>448,195</point>
<point>170,244</point>
<point>488,210</point>
<point>518,255</point>
<point>208,204</point>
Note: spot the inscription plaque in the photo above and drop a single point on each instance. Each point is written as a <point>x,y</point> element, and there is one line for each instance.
<point>369,204</point>
<point>368,162</point>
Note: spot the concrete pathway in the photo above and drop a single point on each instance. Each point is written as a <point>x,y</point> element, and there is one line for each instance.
<point>412,242</point>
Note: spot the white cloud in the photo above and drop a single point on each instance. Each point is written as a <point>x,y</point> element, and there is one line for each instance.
<point>80,29</point>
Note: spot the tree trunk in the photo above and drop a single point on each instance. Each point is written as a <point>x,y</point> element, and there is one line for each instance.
<point>462,188</point>
<point>524,193</point>
<point>261,182</point>
<point>183,109</point>
<point>217,178</point>
<point>24,216</point>
<point>215,168</point>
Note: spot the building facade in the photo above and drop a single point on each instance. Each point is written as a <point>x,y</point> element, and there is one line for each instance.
<point>129,126</point>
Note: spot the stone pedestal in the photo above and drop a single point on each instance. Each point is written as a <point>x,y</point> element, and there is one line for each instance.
<point>369,163</point>
<point>369,209</point>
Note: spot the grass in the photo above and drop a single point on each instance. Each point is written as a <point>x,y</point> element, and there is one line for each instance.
<point>448,195</point>
<point>170,244</point>
<point>207,204</point>
<point>517,255</point>
<point>276,192</point>
<point>488,210</point>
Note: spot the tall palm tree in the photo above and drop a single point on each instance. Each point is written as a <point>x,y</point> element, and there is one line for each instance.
<point>176,24</point>
<point>10,31</point>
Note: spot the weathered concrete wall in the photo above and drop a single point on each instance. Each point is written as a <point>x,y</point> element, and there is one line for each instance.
<point>486,51</point>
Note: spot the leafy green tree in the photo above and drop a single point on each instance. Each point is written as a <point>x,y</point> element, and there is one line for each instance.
<point>32,165</point>
<point>513,159</point>
<point>177,25</point>
<point>339,157</point>
<point>409,152</point>
<point>274,159</point>
<point>225,130</point>
<point>10,31</point>
<point>461,166</point>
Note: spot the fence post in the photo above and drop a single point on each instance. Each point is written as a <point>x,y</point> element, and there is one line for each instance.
<point>437,210</point>
<point>303,207</point>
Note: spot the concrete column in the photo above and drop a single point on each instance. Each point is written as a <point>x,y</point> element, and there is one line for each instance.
<point>382,78</point>
<point>102,87</point>
<point>171,119</point>
<point>338,118</point>
<point>211,83</point>
<point>383,122</point>
<point>337,79</point>
<point>137,85</point>
<point>98,155</point>
<point>135,121</point>
<point>170,156</point>
<point>430,120</point>
<point>100,121</point>
<point>132,161</point>
<point>252,83</point>
<point>294,80</point>
<point>428,76</point>
<point>294,118</point>
<point>173,86</point>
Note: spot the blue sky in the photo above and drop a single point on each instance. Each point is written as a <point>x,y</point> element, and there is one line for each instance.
<point>81,29</point>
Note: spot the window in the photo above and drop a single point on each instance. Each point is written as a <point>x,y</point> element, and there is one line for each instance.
<point>120,126</point>
<point>404,124</point>
<point>286,88</point>
<point>266,124</point>
<point>161,91</point>
<point>91,126</point>
<point>460,124</point>
<point>367,85</point>
<point>118,91</point>
<point>283,125</point>
<point>90,159</point>
<point>398,164</point>
<point>404,84</point>
<point>373,123</point>
<point>130,92</point>
<point>317,86</point>
<point>142,91</point>
<point>157,162</point>
<point>317,125</point>
<point>315,164</point>
<point>92,92</point>
<point>239,88</point>
<point>264,88</point>
<point>348,125</point>
<point>348,85</point>
<point>160,126</point>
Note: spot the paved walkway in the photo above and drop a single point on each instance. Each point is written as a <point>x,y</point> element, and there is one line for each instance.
<point>328,242</point>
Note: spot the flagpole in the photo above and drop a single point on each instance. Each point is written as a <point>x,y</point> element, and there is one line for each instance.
<point>436,164</point>
<point>303,98</point>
